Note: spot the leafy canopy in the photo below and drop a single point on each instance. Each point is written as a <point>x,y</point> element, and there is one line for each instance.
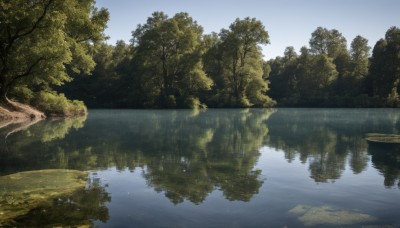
<point>42,40</point>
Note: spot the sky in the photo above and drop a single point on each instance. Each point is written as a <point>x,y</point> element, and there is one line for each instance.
<point>288,22</point>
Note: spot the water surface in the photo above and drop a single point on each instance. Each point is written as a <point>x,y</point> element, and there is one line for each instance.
<point>219,168</point>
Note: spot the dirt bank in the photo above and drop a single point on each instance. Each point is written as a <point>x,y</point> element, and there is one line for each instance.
<point>12,112</point>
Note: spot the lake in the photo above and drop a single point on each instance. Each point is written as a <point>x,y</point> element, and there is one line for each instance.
<point>216,168</point>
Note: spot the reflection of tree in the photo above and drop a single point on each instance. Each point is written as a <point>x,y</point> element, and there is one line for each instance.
<point>44,131</point>
<point>59,128</point>
<point>220,150</point>
<point>328,138</point>
<point>20,151</point>
<point>183,155</point>
<point>386,159</point>
<point>80,209</point>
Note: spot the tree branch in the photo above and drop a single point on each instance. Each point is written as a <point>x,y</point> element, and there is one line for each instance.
<point>18,35</point>
<point>40,19</point>
<point>26,73</point>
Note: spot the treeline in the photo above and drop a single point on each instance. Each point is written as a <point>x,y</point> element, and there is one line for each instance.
<point>329,75</point>
<point>170,63</point>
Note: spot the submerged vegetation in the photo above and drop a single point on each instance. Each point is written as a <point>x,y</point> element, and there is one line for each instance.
<point>20,192</point>
<point>329,216</point>
<point>51,198</point>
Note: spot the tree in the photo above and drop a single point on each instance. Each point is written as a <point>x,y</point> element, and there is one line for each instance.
<point>359,54</point>
<point>329,42</point>
<point>242,65</point>
<point>290,54</point>
<point>352,68</point>
<point>40,39</point>
<point>323,74</point>
<point>284,77</point>
<point>384,78</point>
<point>169,52</point>
<point>319,41</point>
<point>212,60</point>
<point>110,84</point>
<point>316,75</point>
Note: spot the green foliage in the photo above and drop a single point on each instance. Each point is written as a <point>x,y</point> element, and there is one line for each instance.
<point>41,40</point>
<point>238,66</point>
<point>360,53</point>
<point>170,63</point>
<point>169,52</point>
<point>54,104</point>
<point>329,42</point>
<point>111,82</point>
<point>328,74</point>
<point>384,77</point>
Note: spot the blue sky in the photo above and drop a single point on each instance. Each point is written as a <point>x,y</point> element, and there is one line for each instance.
<point>288,22</point>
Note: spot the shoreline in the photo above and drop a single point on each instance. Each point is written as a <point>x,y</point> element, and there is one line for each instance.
<point>17,113</point>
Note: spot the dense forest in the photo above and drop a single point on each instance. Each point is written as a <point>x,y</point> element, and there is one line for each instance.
<point>52,50</point>
<point>169,63</point>
<point>329,75</point>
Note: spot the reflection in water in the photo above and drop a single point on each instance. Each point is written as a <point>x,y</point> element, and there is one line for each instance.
<point>328,138</point>
<point>205,153</point>
<point>44,131</point>
<point>27,148</point>
<point>185,156</point>
<point>386,159</point>
<point>189,156</point>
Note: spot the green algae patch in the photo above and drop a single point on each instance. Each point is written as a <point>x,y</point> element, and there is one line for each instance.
<point>24,191</point>
<point>326,215</point>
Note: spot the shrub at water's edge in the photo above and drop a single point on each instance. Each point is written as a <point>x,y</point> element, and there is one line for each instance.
<point>43,104</point>
<point>53,104</point>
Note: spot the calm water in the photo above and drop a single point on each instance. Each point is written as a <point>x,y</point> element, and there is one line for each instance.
<point>219,168</point>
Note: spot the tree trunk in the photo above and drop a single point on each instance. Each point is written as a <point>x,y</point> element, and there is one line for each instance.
<point>3,96</point>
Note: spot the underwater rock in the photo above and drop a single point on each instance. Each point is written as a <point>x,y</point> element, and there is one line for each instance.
<point>24,191</point>
<point>326,215</point>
